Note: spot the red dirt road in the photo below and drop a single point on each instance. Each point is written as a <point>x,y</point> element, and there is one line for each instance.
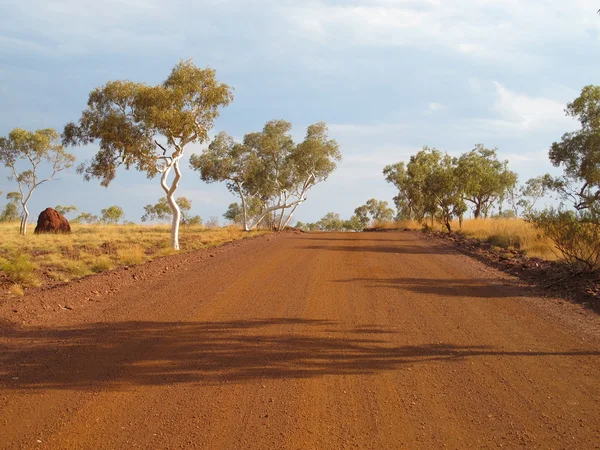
<point>307,341</point>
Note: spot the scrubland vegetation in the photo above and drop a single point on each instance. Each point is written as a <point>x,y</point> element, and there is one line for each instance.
<point>510,234</point>
<point>34,260</point>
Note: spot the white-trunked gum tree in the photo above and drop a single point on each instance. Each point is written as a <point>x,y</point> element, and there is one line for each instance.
<point>148,127</point>
<point>268,166</point>
<point>28,149</point>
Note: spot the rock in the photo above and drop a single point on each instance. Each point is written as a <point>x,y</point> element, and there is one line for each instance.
<point>51,221</point>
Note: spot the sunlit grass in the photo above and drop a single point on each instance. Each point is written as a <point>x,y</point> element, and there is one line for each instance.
<point>510,234</point>
<point>26,260</point>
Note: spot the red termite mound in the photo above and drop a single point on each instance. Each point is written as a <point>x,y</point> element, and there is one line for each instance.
<point>51,221</point>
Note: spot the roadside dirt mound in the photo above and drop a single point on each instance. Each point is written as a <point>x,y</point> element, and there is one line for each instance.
<point>51,221</point>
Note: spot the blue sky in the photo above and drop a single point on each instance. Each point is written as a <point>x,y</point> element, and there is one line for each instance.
<point>388,77</point>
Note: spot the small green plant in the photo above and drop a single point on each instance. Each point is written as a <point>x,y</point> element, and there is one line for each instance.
<point>20,270</point>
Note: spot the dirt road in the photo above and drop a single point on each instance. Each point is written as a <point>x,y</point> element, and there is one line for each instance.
<point>307,341</point>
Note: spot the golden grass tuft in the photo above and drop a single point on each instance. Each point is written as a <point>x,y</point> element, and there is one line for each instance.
<point>16,289</point>
<point>131,254</point>
<point>101,264</point>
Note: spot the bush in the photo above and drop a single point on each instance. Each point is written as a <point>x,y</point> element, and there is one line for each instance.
<point>505,241</point>
<point>131,254</point>
<point>101,264</point>
<point>20,270</point>
<point>575,235</point>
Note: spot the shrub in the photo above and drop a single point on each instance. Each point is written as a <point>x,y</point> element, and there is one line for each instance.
<point>131,254</point>
<point>575,235</point>
<point>505,240</point>
<point>20,270</point>
<point>101,264</point>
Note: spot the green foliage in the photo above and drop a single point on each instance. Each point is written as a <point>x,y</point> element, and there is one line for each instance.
<point>373,210</point>
<point>578,153</point>
<point>428,186</point>
<point>267,168</point>
<point>330,222</point>
<point>483,178</point>
<point>65,210</point>
<point>20,270</point>
<point>161,212</point>
<point>10,213</point>
<point>127,117</point>
<point>576,235</point>
<point>85,217</point>
<point>111,215</point>
<point>354,224</point>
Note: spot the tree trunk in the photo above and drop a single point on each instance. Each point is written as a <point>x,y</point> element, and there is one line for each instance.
<point>289,217</point>
<point>448,226</point>
<point>477,211</point>
<point>170,194</point>
<point>24,219</point>
<point>244,206</point>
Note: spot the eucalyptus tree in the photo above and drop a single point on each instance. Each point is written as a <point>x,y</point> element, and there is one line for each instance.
<point>428,187</point>
<point>268,169</point>
<point>485,180</point>
<point>578,153</point>
<point>148,127</point>
<point>374,210</point>
<point>24,153</point>
<point>161,211</point>
<point>10,213</point>
<point>66,210</point>
<point>111,215</point>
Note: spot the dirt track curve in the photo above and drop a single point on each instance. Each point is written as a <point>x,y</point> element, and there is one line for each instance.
<point>306,341</point>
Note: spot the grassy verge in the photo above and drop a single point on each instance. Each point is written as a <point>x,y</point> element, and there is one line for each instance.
<point>33,260</point>
<point>510,234</point>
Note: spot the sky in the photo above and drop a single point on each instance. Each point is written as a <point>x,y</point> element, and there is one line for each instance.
<point>387,76</point>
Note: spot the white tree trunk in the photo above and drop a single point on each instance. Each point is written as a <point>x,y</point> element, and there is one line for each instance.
<point>24,220</point>
<point>256,219</point>
<point>170,194</point>
<point>289,217</point>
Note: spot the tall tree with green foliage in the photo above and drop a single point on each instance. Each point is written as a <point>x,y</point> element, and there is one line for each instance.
<point>330,222</point>
<point>574,227</point>
<point>485,180</point>
<point>23,153</point>
<point>374,210</point>
<point>111,215</point>
<point>269,168</point>
<point>10,213</point>
<point>429,187</point>
<point>148,127</point>
<point>578,153</point>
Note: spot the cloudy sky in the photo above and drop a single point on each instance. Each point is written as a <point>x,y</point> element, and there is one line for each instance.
<point>388,77</point>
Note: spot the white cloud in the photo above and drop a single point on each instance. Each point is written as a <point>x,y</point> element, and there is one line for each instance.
<point>496,30</point>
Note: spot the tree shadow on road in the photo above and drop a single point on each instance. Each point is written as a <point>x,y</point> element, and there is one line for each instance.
<point>472,287</point>
<point>126,354</point>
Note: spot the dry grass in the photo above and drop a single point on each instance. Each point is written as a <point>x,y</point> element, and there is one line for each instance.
<point>515,234</point>
<point>16,289</point>
<point>25,260</point>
